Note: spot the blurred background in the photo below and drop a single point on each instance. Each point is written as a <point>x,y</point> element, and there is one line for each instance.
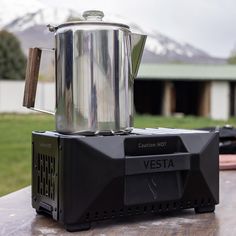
<point>187,78</point>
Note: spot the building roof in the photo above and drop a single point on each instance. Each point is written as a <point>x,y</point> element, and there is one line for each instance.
<point>187,72</point>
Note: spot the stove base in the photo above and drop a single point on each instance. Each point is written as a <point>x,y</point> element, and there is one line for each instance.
<point>78,180</point>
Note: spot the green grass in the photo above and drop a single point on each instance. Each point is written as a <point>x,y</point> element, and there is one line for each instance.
<point>15,148</point>
<point>15,142</point>
<point>188,122</point>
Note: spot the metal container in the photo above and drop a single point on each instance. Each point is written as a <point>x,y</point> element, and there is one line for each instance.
<point>96,63</point>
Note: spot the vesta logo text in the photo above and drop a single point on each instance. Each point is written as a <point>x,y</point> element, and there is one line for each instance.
<point>156,164</point>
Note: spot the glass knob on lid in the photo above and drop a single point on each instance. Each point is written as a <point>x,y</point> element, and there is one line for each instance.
<point>93,15</point>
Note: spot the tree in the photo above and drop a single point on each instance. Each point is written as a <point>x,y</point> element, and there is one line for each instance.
<point>12,59</point>
<point>232,57</point>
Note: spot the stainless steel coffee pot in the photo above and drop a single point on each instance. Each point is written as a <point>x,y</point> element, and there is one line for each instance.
<point>95,66</point>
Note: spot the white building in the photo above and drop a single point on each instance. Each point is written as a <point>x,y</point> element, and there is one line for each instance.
<point>160,89</point>
<point>200,90</point>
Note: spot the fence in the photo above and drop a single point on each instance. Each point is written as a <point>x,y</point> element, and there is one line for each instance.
<point>11,96</point>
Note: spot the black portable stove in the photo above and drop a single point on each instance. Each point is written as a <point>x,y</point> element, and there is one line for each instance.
<point>81,179</point>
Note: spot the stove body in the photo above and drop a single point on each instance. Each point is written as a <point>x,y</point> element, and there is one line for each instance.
<point>78,180</point>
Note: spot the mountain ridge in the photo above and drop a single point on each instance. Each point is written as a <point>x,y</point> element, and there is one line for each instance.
<point>31,30</point>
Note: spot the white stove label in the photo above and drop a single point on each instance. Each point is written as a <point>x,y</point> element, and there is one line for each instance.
<point>157,163</point>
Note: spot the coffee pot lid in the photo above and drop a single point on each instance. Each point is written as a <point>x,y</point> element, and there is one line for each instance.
<point>91,17</point>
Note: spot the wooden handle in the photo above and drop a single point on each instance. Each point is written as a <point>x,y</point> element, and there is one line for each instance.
<point>31,77</point>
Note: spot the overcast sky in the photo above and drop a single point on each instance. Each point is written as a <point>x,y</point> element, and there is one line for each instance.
<point>207,24</point>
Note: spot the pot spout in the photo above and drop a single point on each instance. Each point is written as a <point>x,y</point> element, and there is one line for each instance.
<point>137,47</point>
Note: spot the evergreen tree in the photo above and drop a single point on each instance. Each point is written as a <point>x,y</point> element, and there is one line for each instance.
<point>232,57</point>
<point>12,59</point>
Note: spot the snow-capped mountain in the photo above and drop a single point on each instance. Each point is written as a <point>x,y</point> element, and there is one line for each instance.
<point>163,45</point>
<point>28,20</point>
<point>12,9</point>
<point>42,16</point>
<point>160,46</point>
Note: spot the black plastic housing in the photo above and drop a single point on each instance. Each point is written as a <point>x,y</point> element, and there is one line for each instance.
<point>78,180</point>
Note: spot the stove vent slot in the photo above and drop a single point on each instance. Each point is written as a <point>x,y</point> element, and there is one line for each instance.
<point>146,209</point>
<point>46,175</point>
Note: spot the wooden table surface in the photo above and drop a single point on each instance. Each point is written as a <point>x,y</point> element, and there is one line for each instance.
<point>18,218</point>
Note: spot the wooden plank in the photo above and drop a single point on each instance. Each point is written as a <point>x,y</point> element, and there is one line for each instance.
<point>228,162</point>
<point>31,78</point>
